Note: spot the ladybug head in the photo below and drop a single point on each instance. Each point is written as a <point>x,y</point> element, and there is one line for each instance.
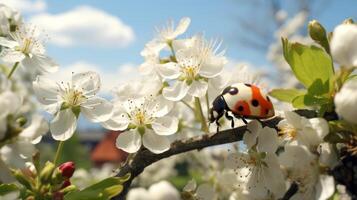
<point>217,110</point>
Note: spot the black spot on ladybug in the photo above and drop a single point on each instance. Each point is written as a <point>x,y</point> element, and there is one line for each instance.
<point>247,84</point>
<point>240,108</point>
<point>230,90</point>
<point>268,98</point>
<point>255,102</point>
<point>233,91</point>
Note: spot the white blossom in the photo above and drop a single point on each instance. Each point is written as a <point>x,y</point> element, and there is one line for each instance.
<point>24,46</point>
<point>309,132</point>
<point>8,18</point>
<point>346,101</point>
<point>259,166</point>
<point>197,60</point>
<point>162,190</point>
<point>65,100</point>
<point>204,191</point>
<point>303,168</point>
<point>344,45</point>
<point>164,39</point>
<point>149,122</point>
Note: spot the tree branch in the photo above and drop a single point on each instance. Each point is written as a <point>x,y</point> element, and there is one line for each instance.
<point>144,157</point>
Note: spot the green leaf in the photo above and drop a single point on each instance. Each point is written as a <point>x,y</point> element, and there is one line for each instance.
<point>309,63</point>
<point>7,188</point>
<point>318,88</point>
<point>308,100</point>
<point>286,95</point>
<point>353,76</point>
<point>103,190</point>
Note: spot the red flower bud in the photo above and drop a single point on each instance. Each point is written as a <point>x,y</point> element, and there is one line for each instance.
<point>66,183</point>
<point>67,169</point>
<point>58,196</point>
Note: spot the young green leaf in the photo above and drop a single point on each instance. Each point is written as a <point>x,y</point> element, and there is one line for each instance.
<point>309,63</point>
<point>308,100</point>
<point>319,88</point>
<point>7,189</point>
<point>103,190</point>
<point>286,95</point>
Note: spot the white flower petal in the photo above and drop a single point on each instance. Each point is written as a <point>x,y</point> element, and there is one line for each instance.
<point>89,82</point>
<point>273,176</point>
<point>250,136</point>
<point>155,143</point>
<point>294,119</point>
<point>267,140</point>
<point>163,190</point>
<point>176,92</point>
<point>346,101</point>
<point>119,121</point>
<point>138,193</point>
<point>198,88</point>
<point>219,82</point>
<point>182,44</point>
<point>205,192</point>
<point>63,125</point>
<point>182,26</point>
<point>45,90</point>
<point>328,156</point>
<point>42,62</point>
<point>16,154</point>
<point>297,157</point>
<point>97,109</point>
<point>129,141</point>
<point>10,56</point>
<point>164,106</point>
<point>321,127</point>
<point>36,130</point>
<point>8,43</point>
<point>165,125</point>
<point>169,70</point>
<point>325,188</point>
<point>344,45</point>
<point>236,160</point>
<point>212,66</point>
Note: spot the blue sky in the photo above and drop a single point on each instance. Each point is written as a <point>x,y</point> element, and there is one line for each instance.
<point>217,19</point>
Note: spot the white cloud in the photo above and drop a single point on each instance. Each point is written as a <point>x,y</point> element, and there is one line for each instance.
<point>85,26</point>
<point>26,6</point>
<point>109,79</point>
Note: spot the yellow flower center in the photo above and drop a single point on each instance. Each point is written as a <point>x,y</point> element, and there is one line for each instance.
<point>26,47</point>
<point>288,132</point>
<point>73,98</point>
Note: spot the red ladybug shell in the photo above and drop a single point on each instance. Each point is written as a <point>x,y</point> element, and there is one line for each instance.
<point>249,102</point>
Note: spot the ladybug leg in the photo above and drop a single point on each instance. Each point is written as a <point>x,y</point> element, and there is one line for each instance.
<point>262,123</point>
<point>218,125</point>
<point>244,120</point>
<point>230,118</point>
<point>217,119</point>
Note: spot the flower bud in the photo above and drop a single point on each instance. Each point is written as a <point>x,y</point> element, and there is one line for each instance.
<point>58,196</point>
<point>21,178</point>
<point>348,21</point>
<point>316,31</point>
<point>57,177</point>
<point>67,169</point>
<point>46,172</point>
<point>68,189</point>
<point>66,183</point>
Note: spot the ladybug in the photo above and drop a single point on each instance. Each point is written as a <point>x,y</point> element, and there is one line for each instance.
<point>244,101</point>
